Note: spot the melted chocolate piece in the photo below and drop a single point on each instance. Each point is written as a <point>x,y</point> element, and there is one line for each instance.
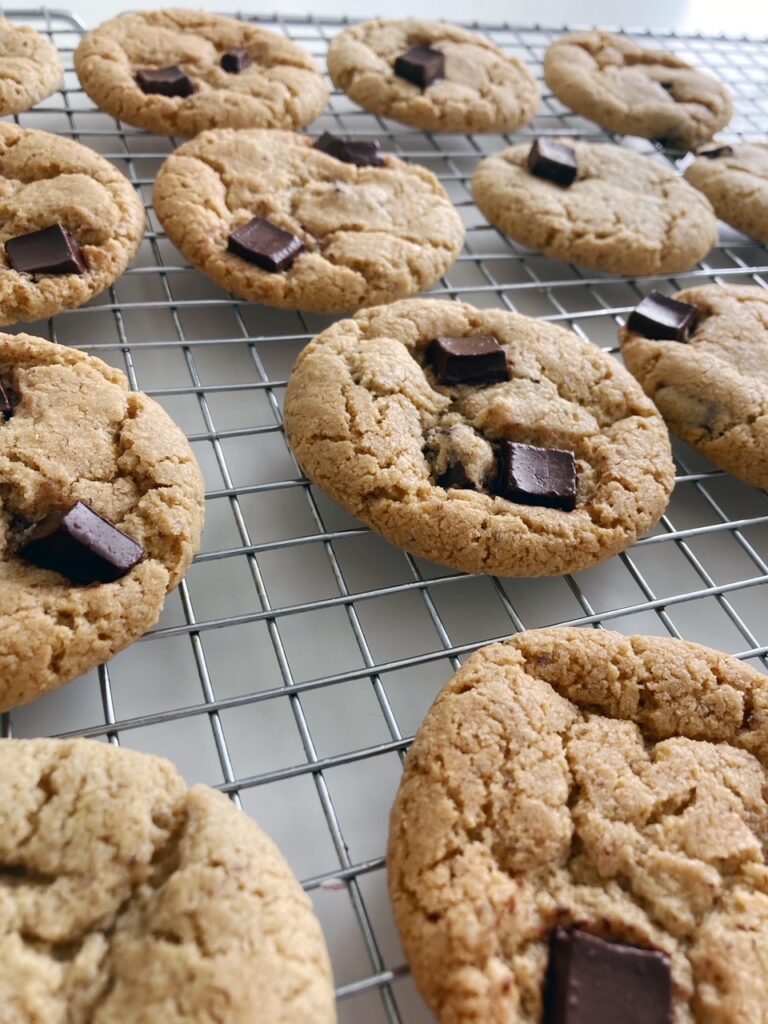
<point>235,61</point>
<point>265,244</point>
<point>456,476</point>
<point>591,981</point>
<point>553,161</point>
<point>84,546</point>
<point>714,150</point>
<point>537,476</point>
<point>663,319</point>
<point>166,81</point>
<point>363,152</point>
<point>49,251</point>
<point>479,360</point>
<point>421,65</point>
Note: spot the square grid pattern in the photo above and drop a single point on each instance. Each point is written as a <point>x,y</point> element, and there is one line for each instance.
<point>294,664</point>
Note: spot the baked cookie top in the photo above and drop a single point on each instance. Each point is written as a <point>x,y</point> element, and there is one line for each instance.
<point>624,213</point>
<point>483,89</point>
<point>628,88</point>
<point>46,180</point>
<point>30,68</point>
<point>713,389</point>
<point>736,183</point>
<point>580,778</point>
<point>369,234</point>
<point>127,896</point>
<point>76,433</point>
<point>280,88</point>
<point>372,425</point>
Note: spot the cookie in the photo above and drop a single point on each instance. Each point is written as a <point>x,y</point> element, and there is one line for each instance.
<point>712,389</point>
<point>128,897</point>
<point>277,85</point>
<point>47,181</point>
<point>75,433</point>
<point>362,235</point>
<point>479,89</point>
<point>736,183</point>
<point>580,779</point>
<point>420,461</point>
<point>30,68</point>
<point>628,88</point>
<point>624,213</point>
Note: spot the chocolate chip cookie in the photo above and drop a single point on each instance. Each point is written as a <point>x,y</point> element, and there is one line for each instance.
<point>129,897</point>
<point>579,785</point>
<point>73,435</point>
<point>622,212</point>
<point>735,180</point>
<point>273,218</point>
<point>30,68</point>
<point>628,88</point>
<point>178,72</point>
<point>433,76</point>
<point>480,439</point>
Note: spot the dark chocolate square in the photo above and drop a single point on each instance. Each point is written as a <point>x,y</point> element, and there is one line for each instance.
<point>537,476</point>
<point>477,360</point>
<point>663,319</point>
<point>51,250</point>
<point>265,244</point>
<point>235,61</point>
<point>421,65</point>
<point>456,477</point>
<point>362,152</point>
<point>553,161</point>
<point>169,81</point>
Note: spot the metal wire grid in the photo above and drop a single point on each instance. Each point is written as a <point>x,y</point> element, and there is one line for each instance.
<point>293,665</point>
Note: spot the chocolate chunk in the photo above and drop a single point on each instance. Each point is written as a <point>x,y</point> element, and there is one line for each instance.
<point>49,251</point>
<point>669,86</point>
<point>456,476</point>
<point>81,545</point>
<point>235,61</point>
<point>479,360</point>
<point>553,161</point>
<point>265,244</point>
<point>363,152</point>
<point>662,318</point>
<point>421,65</point>
<point>537,476</point>
<point>6,408</point>
<point>591,980</point>
<point>166,81</point>
<point>714,150</point>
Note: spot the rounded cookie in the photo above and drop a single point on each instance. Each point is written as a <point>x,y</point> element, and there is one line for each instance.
<point>713,390</point>
<point>76,433</point>
<point>624,213</point>
<point>371,425</point>
<point>46,180</point>
<point>736,184</point>
<point>281,87</point>
<point>628,88</point>
<point>30,68</point>
<point>578,778</point>
<point>370,234</point>
<point>130,898</point>
<point>484,89</point>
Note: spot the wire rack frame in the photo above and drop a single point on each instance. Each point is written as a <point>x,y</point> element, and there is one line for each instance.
<point>293,665</point>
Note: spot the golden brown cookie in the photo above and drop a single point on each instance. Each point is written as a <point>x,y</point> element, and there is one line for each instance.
<point>580,778</point>
<point>369,234</point>
<point>418,460</point>
<point>77,434</point>
<point>280,88</point>
<point>127,897</point>
<point>736,183</point>
<point>30,68</point>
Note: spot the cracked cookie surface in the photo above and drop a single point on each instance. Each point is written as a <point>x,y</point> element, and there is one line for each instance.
<point>628,88</point>
<point>737,187</point>
<point>30,68</point>
<point>47,180</point>
<point>127,897</point>
<point>371,234</point>
<point>624,213</point>
<point>78,434</point>
<point>578,777</point>
<point>713,390</point>
<point>484,89</point>
<point>373,428</point>
<point>282,88</point>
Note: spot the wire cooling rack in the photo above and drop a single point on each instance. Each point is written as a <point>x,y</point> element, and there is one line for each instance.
<point>294,664</point>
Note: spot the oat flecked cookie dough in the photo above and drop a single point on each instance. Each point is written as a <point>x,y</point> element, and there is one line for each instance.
<point>418,460</point>
<point>580,778</point>
<point>75,433</point>
<point>736,183</point>
<point>630,89</point>
<point>624,213</point>
<point>30,68</point>
<point>128,897</point>
<point>483,89</point>
<point>369,234</point>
